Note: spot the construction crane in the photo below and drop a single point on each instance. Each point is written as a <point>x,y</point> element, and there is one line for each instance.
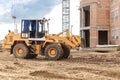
<point>65,15</point>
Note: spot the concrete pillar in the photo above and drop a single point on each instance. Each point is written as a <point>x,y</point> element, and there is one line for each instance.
<point>93,37</point>
<point>93,25</point>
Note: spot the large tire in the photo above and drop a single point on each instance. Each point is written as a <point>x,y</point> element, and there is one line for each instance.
<point>20,51</point>
<point>66,51</point>
<point>53,52</point>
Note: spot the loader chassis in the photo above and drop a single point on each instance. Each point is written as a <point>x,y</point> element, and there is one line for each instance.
<point>34,40</point>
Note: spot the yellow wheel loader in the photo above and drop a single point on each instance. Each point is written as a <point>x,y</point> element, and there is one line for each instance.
<point>34,40</point>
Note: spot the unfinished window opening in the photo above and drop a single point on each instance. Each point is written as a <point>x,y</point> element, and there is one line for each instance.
<point>87,38</point>
<point>114,15</point>
<point>115,34</point>
<point>87,16</point>
<point>103,37</point>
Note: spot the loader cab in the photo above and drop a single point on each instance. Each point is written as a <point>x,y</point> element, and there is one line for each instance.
<point>33,29</point>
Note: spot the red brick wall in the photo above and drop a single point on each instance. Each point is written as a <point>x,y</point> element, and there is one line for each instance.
<point>99,18</point>
<point>93,24</point>
<point>103,14</point>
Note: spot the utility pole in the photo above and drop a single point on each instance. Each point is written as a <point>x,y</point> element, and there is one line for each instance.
<point>14,17</point>
<point>65,15</point>
<point>15,25</point>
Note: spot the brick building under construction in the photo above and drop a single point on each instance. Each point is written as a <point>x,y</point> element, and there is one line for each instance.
<point>100,22</point>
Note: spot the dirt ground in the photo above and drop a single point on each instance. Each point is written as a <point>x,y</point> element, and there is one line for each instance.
<point>82,65</point>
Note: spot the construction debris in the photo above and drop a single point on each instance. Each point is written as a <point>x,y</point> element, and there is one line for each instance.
<point>107,48</point>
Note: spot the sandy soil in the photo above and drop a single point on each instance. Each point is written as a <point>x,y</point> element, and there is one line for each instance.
<point>81,65</point>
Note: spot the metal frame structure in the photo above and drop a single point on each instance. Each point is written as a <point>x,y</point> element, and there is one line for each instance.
<point>65,15</point>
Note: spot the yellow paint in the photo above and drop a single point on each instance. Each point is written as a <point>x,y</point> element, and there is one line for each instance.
<point>71,41</point>
<point>52,52</point>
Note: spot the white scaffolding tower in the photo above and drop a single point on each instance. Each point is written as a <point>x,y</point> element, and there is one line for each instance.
<point>65,15</point>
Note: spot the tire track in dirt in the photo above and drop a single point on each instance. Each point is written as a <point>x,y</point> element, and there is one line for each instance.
<point>94,60</point>
<point>47,74</point>
<point>10,68</point>
<point>105,73</point>
<point>3,70</point>
<point>7,68</point>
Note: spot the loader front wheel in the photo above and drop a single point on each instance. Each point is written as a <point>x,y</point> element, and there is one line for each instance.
<point>66,51</point>
<point>53,52</point>
<point>20,51</point>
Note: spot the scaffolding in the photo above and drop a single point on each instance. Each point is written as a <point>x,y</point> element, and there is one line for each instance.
<point>65,15</point>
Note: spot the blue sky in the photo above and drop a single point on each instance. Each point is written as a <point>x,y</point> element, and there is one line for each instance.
<point>25,8</point>
<point>36,9</point>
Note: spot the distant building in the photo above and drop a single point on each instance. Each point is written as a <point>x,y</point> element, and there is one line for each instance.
<point>100,22</point>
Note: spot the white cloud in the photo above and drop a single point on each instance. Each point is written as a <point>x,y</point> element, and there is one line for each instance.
<point>3,9</point>
<point>56,18</point>
<point>55,23</point>
<point>23,1</point>
<point>75,16</point>
<point>4,29</point>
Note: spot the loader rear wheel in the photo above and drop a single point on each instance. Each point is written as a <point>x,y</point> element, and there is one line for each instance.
<point>20,51</point>
<point>53,52</point>
<point>66,51</point>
